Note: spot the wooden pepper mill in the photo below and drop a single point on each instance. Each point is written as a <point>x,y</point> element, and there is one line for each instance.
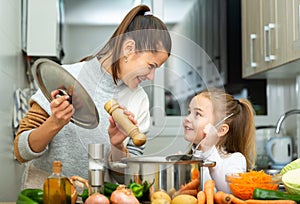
<point>113,108</point>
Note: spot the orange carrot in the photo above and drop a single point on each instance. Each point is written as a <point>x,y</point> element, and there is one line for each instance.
<point>253,201</point>
<point>194,184</point>
<point>192,192</point>
<point>209,190</point>
<point>195,172</point>
<point>236,200</point>
<point>201,197</point>
<point>244,185</point>
<point>222,198</point>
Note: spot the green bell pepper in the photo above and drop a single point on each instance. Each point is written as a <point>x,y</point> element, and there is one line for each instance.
<point>137,189</point>
<point>264,194</point>
<point>84,195</point>
<point>30,196</point>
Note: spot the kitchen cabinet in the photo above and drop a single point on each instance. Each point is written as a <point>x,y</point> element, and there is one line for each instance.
<point>293,32</point>
<point>263,35</point>
<point>42,28</point>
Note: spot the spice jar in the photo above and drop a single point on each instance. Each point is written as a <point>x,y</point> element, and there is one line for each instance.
<point>96,166</point>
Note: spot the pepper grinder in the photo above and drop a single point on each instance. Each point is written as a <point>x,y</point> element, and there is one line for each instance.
<point>113,108</point>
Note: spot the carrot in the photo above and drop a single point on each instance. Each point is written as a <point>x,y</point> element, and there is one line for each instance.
<point>236,200</point>
<point>209,190</point>
<point>193,184</point>
<point>201,197</point>
<point>195,172</point>
<point>192,192</point>
<point>244,184</point>
<point>222,198</point>
<point>253,201</point>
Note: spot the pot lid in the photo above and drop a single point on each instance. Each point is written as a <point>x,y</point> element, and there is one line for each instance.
<point>51,76</point>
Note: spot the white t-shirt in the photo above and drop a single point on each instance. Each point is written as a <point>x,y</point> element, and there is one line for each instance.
<point>225,164</point>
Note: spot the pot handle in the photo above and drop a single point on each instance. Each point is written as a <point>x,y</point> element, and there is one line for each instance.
<point>208,163</point>
<point>117,165</point>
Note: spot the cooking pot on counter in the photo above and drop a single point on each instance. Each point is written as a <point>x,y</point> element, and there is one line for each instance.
<point>168,175</point>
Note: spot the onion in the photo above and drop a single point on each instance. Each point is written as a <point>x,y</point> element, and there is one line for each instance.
<point>123,195</point>
<point>97,198</point>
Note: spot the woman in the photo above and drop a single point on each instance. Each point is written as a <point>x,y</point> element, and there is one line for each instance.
<point>139,46</point>
<point>230,143</point>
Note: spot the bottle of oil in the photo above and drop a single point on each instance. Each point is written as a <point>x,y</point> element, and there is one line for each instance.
<point>57,187</point>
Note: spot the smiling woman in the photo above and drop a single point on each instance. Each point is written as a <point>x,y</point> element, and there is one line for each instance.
<point>138,46</point>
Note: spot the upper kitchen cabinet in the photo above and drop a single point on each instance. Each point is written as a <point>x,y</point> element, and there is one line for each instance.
<point>263,35</point>
<point>42,28</point>
<point>293,32</point>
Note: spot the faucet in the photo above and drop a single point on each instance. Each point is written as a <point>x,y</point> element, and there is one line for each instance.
<point>284,116</point>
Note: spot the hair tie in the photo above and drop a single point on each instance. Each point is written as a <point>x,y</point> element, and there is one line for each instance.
<point>238,101</point>
<point>148,13</point>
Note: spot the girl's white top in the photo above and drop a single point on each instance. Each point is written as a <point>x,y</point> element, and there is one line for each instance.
<point>225,164</point>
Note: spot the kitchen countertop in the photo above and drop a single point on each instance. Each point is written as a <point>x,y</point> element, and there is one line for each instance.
<point>7,202</point>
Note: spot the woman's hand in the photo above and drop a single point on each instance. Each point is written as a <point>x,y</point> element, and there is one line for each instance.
<point>116,134</point>
<point>210,137</point>
<point>61,109</point>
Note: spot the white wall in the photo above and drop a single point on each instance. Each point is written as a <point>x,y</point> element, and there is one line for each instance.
<point>12,76</point>
<point>82,40</point>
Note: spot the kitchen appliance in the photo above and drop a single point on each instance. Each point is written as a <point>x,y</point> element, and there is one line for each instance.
<point>51,76</point>
<point>166,174</point>
<point>279,150</point>
<point>263,134</point>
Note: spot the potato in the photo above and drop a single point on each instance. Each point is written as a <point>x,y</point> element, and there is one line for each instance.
<point>160,195</point>
<point>160,201</point>
<point>184,198</point>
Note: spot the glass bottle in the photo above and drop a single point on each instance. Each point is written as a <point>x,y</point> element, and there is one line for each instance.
<point>57,187</point>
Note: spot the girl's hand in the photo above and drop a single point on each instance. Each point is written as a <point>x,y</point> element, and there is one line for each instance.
<point>61,109</point>
<point>210,137</point>
<point>116,134</point>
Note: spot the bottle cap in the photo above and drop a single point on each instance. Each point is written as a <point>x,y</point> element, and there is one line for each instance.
<point>56,167</point>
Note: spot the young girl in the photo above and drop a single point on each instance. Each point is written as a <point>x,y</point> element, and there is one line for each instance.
<point>231,144</point>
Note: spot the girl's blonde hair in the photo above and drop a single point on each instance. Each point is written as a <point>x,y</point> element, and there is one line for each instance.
<point>241,134</point>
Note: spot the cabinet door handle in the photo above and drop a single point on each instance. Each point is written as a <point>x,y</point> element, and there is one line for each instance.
<point>271,26</point>
<point>266,33</point>
<point>252,38</point>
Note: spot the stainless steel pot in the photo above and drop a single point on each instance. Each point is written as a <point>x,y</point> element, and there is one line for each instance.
<point>167,175</point>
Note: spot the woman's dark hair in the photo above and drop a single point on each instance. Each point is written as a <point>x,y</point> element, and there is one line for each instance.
<point>148,32</point>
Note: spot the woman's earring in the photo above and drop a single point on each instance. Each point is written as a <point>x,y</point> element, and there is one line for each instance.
<point>126,60</point>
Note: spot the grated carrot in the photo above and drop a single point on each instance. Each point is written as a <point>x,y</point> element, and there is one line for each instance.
<point>244,184</point>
